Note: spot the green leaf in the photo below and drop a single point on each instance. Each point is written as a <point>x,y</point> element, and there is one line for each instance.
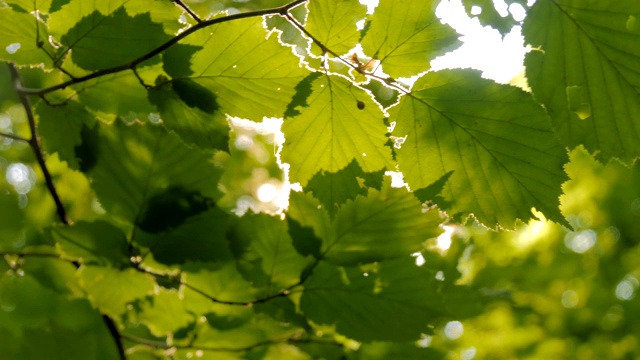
<point>396,302</point>
<point>12,221</point>
<point>140,167</point>
<point>28,6</point>
<point>99,42</point>
<point>110,289</point>
<point>382,351</point>
<point>223,283</point>
<point>334,189</point>
<point>496,140</point>
<point>489,16</point>
<point>164,313</point>
<point>61,129</point>
<point>191,123</point>
<point>237,62</point>
<point>386,224</point>
<point>584,69</point>
<point>333,131</point>
<point>96,243</point>
<point>404,36</point>
<point>23,39</point>
<point>263,242</point>
<point>333,23</point>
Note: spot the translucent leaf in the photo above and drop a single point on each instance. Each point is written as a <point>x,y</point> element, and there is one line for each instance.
<point>223,283</point>
<point>28,6</point>
<point>239,60</point>
<point>61,129</point>
<point>586,72</point>
<point>263,242</point>
<point>333,23</point>
<point>396,302</point>
<point>23,39</point>
<point>489,15</point>
<point>404,36</point>
<point>148,176</point>
<point>334,130</point>
<point>98,41</point>
<point>164,313</point>
<point>11,219</point>
<point>110,289</point>
<point>384,225</point>
<point>495,139</point>
<point>383,351</point>
<point>98,243</point>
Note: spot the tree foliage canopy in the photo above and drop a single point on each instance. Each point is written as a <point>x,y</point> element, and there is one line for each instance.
<point>135,146</point>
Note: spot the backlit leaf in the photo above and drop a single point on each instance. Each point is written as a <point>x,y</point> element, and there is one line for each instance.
<point>333,23</point>
<point>495,139</point>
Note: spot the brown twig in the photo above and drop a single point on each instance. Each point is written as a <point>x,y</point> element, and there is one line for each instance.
<point>187,10</point>
<point>13,137</point>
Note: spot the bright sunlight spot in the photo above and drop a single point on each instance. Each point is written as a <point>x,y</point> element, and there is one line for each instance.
<point>443,242</point>
<point>453,330</point>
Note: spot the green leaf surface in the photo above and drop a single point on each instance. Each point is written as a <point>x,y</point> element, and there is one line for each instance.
<point>333,23</point>
<point>12,220</point>
<point>489,16</point>
<point>263,241</point>
<point>110,289</point>
<point>335,188</point>
<point>497,141</point>
<point>239,60</point>
<point>192,124</point>
<point>586,72</point>
<point>28,6</point>
<point>396,302</point>
<point>61,129</point>
<point>333,131</point>
<point>140,166</point>
<point>96,243</point>
<point>164,313</point>
<point>404,36</point>
<point>383,225</point>
<point>383,351</point>
<point>99,42</point>
<point>20,37</point>
<point>223,283</point>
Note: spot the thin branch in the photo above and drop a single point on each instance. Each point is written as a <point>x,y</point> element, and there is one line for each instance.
<point>35,145</point>
<point>282,10</point>
<point>13,137</point>
<point>187,10</point>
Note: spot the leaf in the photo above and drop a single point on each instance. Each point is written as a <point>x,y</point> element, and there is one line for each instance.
<point>263,242</point>
<point>496,140</point>
<point>334,189</point>
<point>333,23</point>
<point>94,243</point>
<point>61,129</point>
<point>386,224</point>
<point>12,221</point>
<point>28,6</point>
<point>585,72</point>
<point>164,313</point>
<point>409,351</point>
<point>139,163</point>
<point>248,73</point>
<point>490,16</point>
<point>99,42</point>
<point>396,302</point>
<point>23,39</point>
<point>193,125</point>
<point>404,36</point>
<point>333,131</point>
<point>110,289</point>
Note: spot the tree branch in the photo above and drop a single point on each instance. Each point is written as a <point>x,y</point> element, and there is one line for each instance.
<point>282,10</point>
<point>187,10</point>
<point>13,137</point>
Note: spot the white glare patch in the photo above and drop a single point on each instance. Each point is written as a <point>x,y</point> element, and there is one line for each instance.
<point>468,353</point>
<point>443,243</point>
<point>154,118</point>
<point>397,179</point>
<point>419,258</point>
<point>440,276</point>
<point>453,330</point>
<point>21,177</point>
<point>425,341</point>
<point>360,24</point>
<point>517,11</point>
<point>626,289</point>
<point>476,10</point>
<point>267,192</point>
<point>569,299</point>
<point>12,48</point>
<point>244,142</point>
<point>580,242</point>
<point>501,7</point>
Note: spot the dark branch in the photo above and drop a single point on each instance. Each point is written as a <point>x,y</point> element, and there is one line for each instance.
<point>13,137</point>
<point>282,10</point>
<point>187,10</point>
<point>34,141</point>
